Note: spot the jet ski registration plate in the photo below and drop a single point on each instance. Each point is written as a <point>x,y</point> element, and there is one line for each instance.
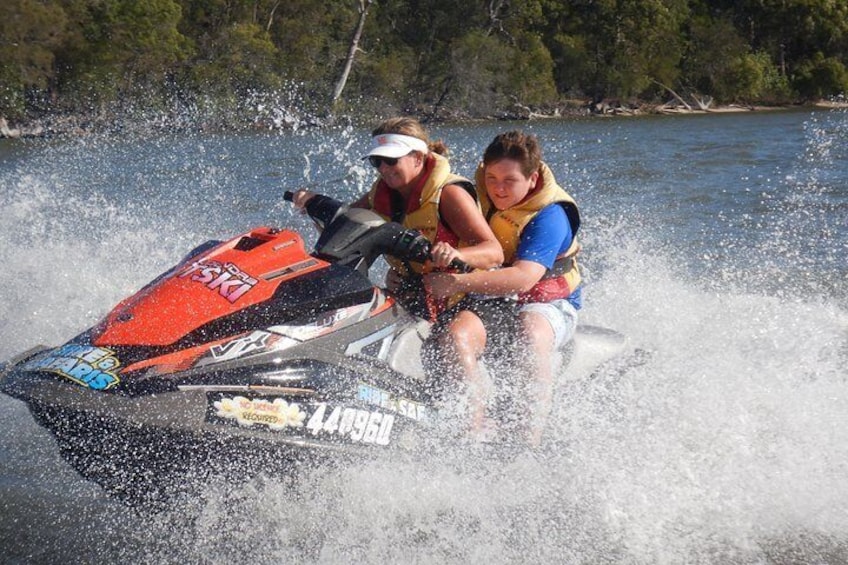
<point>314,421</point>
<point>360,426</point>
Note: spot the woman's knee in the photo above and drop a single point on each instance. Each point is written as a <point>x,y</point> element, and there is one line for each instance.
<point>466,332</point>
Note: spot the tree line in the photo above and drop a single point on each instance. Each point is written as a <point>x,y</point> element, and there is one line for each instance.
<point>236,59</point>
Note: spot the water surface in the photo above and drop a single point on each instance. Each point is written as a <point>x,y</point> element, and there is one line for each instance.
<point>716,242</point>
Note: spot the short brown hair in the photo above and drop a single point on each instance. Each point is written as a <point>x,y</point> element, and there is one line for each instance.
<point>518,146</point>
<point>410,126</point>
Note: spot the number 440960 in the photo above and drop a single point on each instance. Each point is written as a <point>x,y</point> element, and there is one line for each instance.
<point>358,425</point>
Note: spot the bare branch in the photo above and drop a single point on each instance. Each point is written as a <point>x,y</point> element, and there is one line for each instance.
<point>674,94</point>
<point>703,102</point>
<point>271,16</point>
<point>354,47</point>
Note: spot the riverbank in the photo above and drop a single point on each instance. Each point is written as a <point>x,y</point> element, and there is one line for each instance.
<point>680,109</point>
<point>63,125</point>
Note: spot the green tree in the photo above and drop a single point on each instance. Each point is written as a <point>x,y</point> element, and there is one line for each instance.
<point>713,53</point>
<point>622,47</point>
<point>482,64</point>
<point>241,60</point>
<point>120,49</point>
<point>796,34</point>
<point>430,30</point>
<point>30,31</point>
<point>821,77</point>
<point>432,57</point>
<point>573,68</point>
<point>313,39</point>
<point>531,72</point>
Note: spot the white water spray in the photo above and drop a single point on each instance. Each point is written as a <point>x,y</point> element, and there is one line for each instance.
<point>727,444</point>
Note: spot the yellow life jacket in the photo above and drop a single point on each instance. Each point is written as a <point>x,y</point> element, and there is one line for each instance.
<point>422,211</point>
<point>507,225</point>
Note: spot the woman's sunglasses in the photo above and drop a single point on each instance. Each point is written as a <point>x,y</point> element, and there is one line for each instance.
<point>377,161</point>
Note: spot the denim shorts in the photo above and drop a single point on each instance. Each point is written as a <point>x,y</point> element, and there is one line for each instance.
<point>560,314</point>
<point>500,318</point>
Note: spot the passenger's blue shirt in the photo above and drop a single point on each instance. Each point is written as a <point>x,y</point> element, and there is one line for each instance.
<point>544,238</point>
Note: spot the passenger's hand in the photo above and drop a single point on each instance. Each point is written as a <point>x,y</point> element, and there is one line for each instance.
<point>300,198</point>
<point>440,285</point>
<point>443,253</point>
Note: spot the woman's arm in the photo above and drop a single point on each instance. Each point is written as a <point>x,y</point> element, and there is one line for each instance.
<point>459,211</point>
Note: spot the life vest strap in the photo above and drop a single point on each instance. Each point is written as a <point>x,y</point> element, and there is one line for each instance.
<point>562,265</point>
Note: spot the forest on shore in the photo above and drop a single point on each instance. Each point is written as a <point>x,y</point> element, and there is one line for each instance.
<point>269,63</point>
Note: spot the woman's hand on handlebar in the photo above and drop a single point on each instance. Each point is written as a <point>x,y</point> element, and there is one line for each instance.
<point>443,253</point>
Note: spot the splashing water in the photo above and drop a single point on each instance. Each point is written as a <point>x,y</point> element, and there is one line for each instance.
<point>717,244</point>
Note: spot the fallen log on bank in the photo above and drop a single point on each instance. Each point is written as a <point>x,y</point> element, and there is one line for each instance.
<point>15,132</point>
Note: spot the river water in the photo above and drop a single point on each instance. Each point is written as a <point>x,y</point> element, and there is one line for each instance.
<point>717,243</point>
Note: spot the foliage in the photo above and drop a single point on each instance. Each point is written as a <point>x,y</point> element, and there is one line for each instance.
<point>714,46</point>
<point>822,76</point>
<point>433,57</point>
<point>117,50</point>
<point>30,32</point>
<point>241,60</point>
<point>531,71</point>
<point>748,75</point>
<point>481,64</point>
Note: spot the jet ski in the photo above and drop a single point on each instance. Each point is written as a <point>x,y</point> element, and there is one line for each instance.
<point>251,354</point>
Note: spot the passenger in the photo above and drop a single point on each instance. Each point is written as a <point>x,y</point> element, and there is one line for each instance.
<point>416,188</point>
<point>535,221</point>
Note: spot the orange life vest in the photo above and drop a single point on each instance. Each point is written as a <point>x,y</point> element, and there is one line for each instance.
<point>422,209</point>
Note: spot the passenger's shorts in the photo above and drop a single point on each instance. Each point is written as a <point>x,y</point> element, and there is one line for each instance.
<point>560,314</point>
<point>500,317</point>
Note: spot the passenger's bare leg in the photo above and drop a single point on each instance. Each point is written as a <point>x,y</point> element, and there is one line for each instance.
<point>538,335</point>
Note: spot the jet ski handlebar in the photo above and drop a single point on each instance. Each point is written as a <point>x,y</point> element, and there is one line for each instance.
<point>368,235</point>
<point>322,209</point>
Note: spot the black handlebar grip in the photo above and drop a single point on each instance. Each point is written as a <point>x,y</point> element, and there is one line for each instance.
<point>288,196</point>
<point>460,266</point>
